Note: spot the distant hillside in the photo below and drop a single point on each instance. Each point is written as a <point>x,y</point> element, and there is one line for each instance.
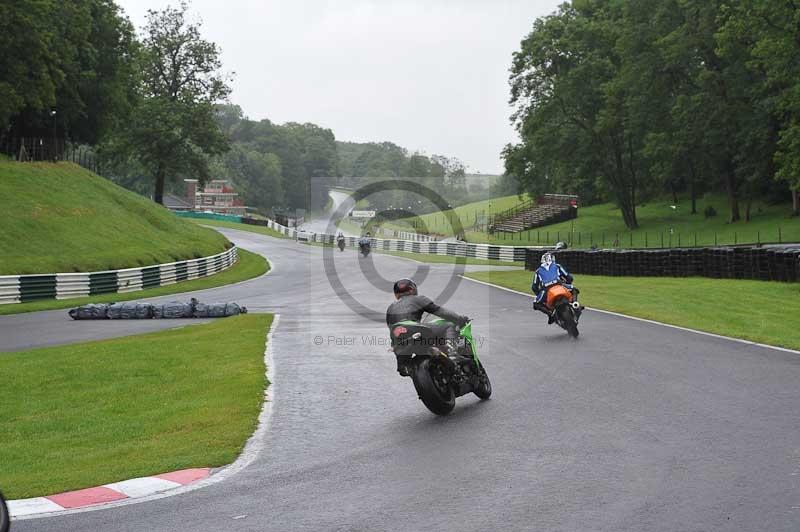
<point>63,218</point>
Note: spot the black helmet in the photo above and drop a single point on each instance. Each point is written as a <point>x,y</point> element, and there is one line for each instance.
<point>405,287</point>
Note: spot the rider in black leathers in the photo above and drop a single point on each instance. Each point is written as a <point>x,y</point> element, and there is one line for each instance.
<point>409,305</point>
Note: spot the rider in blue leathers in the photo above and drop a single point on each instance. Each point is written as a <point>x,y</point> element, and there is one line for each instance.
<point>549,273</point>
<point>365,241</point>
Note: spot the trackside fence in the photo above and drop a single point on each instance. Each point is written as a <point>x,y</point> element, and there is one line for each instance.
<point>774,263</point>
<point>453,249</point>
<point>24,288</point>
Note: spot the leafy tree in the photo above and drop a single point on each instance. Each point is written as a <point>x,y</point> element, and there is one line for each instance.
<point>174,129</point>
<point>770,30</point>
<point>572,112</point>
<point>74,58</point>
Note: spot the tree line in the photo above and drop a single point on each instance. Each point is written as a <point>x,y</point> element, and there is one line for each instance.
<point>364,163</point>
<point>628,100</point>
<point>145,103</point>
<point>152,107</point>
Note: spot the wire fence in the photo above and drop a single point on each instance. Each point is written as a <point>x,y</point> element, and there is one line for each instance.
<point>40,149</point>
<point>653,240</point>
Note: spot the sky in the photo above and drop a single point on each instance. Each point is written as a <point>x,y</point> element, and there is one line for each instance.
<point>428,75</point>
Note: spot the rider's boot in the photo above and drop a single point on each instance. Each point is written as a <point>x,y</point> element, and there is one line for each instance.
<point>551,317</point>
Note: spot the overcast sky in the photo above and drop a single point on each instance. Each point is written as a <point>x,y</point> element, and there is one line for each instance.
<point>429,75</point>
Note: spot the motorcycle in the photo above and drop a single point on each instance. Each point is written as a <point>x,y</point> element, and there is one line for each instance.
<point>5,517</point>
<point>341,243</point>
<point>364,248</point>
<point>562,304</point>
<point>438,377</point>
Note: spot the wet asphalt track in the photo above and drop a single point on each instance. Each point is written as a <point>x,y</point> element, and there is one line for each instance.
<point>632,427</point>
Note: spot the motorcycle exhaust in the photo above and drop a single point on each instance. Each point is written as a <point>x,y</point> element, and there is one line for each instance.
<point>576,305</point>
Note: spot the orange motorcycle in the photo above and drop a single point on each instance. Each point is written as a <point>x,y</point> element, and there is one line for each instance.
<point>563,305</point>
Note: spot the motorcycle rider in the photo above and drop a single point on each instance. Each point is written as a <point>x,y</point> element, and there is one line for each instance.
<point>409,305</point>
<point>365,241</point>
<point>546,275</point>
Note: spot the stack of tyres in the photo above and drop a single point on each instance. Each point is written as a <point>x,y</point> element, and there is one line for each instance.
<point>696,262</point>
<point>778,266</point>
<point>724,262</point>
<point>743,262</point>
<point>794,270</point>
<point>765,264</point>
<point>626,261</point>
<point>651,259</point>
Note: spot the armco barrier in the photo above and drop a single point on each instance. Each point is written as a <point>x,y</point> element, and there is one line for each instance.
<point>759,263</point>
<point>24,288</point>
<point>455,249</point>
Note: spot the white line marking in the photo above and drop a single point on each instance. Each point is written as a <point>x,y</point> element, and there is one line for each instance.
<point>252,448</point>
<point>738,340</point>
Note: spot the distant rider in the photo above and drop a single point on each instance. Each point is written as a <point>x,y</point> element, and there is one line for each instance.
<point>409,305</point>
<point>546,275</point>
<point>365,241</point>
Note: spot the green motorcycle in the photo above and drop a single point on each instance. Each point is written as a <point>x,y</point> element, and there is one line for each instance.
<point>440,375</point>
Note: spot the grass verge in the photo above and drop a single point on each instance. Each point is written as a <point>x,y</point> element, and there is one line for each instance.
<point>760,311</point>
<point>602,225</point>
<point>88,414</point>
<point>263,230</point>
<point>662,223</point>
<point>250,265</point>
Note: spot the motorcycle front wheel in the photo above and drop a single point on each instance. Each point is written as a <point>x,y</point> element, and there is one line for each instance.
<point>484,389</point>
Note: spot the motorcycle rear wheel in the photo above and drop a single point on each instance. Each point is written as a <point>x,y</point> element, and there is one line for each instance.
<point>568,320</point>
<point>436,396</point>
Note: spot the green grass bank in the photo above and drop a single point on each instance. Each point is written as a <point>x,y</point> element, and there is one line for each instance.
<point>661,225</point>
<point>60,218</point>
<point>88,414</point>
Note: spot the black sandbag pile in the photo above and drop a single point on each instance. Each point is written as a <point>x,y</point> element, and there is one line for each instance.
<point>91,311</point>
<point>160,311</point>
<point>173,310</point>
<point>130,310</point>
<point>217,310</point>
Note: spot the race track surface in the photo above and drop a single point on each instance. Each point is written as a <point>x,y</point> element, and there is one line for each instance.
<point>633,427</point>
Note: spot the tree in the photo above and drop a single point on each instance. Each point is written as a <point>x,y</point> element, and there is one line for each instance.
<point>74,58</point>
<point>572,106</point>
<point>174,130</point>
<point>770,30</point>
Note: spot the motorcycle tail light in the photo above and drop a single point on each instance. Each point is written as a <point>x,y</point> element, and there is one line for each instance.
<point>398,331</point>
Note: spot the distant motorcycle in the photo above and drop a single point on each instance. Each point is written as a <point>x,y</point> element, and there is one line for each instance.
<point>438,377</point>
<point>364,248</point>
<point>563,305</point>
<point>341,243</point>
<point>5,517</point>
